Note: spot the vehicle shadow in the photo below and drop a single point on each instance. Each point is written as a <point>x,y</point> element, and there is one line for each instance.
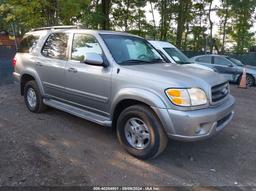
<point>182,163</point>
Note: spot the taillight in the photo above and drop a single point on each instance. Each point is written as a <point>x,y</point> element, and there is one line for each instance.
<point>14,60</point>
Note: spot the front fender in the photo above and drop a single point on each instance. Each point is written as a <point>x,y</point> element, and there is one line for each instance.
<point>146,96</point>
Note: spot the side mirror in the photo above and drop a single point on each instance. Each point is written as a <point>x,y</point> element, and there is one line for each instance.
<point>230,65</point>
<point>93,59</point>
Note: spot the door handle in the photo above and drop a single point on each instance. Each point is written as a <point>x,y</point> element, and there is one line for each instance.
<point>39,64</point>
<point>72,70</point>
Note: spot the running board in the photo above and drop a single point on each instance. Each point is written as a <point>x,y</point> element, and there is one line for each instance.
<point>90,116</point>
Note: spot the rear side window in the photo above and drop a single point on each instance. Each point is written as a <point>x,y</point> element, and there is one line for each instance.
<point>56,46</point>
<point>204,59</point>
<point>28,43</point>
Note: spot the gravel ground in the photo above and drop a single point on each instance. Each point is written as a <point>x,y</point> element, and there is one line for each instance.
<point>55,148</point>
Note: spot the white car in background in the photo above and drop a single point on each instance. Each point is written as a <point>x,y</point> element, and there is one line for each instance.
<point>174,55</point>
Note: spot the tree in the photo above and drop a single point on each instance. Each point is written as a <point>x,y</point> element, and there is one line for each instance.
<point>128,15</point>
<point>29,14</point>
<point>106,5</point>
<point>224,13</point>
<point>242,19</point>
<point>211,40</point>
<point>183,16</point>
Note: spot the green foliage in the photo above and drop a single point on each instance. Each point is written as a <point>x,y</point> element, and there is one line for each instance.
<point>242,19</point>
<point>27,14</point>
<point>186,23</point>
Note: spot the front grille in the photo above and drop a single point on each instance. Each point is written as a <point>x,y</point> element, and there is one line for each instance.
<point>219,92</point>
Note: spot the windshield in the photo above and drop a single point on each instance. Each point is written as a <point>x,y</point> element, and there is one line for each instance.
<point>177,55</point>
<point>235,61</point>
<point>127,50</point>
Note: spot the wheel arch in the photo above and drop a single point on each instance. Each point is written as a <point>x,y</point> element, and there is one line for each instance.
<point>240,75</point>
<point>129,97</point>
<point>28,76</point>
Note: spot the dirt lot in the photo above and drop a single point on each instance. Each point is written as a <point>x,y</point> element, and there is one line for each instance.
<point>56,148</point>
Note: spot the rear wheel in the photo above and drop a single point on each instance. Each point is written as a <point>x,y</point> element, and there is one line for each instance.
<point>140,132</point>
<point>33,98</point>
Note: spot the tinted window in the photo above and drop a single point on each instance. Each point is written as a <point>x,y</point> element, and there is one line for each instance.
<point>56,46</point>
<point>131,50</point>
<point>82,44</point>
<point>204,59</point>
<point>28,43</point>
<point>221,61</point>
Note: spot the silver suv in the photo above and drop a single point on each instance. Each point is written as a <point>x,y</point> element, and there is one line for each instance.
<point>119,80</point>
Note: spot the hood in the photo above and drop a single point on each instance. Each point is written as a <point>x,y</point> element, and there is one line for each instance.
<point>200,66</point>
<point>177,75</point>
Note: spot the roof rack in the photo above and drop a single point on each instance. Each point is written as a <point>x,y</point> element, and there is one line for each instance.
<point>57,27</point>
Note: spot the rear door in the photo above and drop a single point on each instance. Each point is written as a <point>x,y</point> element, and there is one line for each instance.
<point>51,64</point>
<point>87,85</point>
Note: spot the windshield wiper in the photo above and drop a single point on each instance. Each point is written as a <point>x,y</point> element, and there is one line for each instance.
<point>135,61</point>
<point>156,60</point>
<point>187,62</point>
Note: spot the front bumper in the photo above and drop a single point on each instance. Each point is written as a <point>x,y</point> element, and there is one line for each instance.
<point>197,124</point>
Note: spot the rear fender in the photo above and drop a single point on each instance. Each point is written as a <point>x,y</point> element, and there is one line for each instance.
<point>33,73</point>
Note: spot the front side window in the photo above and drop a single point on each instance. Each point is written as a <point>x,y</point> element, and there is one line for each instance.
<point>82,44</point>
<point>235,61</point>
<point>56,46</point>
<point>131,50</point>
<point>221,61</point>
<point>177,55</point>
<point>28,43</point>
<point>204,59</point>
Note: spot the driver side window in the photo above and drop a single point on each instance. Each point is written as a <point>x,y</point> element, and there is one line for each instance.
<point>82,44</point>
<point>221,61</point>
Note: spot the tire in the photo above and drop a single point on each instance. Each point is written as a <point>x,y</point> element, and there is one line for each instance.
<point>250,81</point>
<point>33,98</point>
<point>150,126</point>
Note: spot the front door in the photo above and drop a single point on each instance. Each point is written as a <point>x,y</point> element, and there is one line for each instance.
<point>225,67</point>
<point>87,85</point>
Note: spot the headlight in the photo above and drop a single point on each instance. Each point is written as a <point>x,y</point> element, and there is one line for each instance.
<point>187,97</point>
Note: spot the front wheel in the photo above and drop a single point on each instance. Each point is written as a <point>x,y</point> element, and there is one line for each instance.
<point>249,80</point>
<point>140,132</point>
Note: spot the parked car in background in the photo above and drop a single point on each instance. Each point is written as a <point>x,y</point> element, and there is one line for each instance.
<point>230,67</point>
<point>119,80</point>
<point>174,55</point>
